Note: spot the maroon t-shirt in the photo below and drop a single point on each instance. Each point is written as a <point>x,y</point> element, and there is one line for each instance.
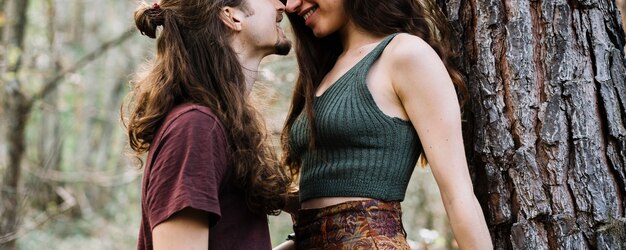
<point>187,167</point>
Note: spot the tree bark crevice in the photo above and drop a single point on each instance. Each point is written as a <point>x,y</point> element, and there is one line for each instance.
<point>548,119</point>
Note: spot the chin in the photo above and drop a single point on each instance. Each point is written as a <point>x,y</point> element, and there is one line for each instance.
<point>282,48</point>
<point>320,34</point>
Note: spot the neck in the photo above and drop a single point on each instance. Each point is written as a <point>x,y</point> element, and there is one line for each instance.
<point>250,68</point>
<point>352,37</point>
<point>249,60</point>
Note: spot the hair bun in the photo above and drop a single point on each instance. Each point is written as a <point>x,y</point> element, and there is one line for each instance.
<point>148,18</point>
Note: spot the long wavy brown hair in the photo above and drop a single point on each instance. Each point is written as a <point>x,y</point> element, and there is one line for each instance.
<point>194,63</point>
<point>317,56</point>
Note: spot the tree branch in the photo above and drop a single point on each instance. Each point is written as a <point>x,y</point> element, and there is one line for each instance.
<point>69,201</point>
<point>96,178</point>
<point>56,80</point>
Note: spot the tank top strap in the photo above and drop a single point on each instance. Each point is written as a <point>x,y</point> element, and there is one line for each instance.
<point>375,54</point>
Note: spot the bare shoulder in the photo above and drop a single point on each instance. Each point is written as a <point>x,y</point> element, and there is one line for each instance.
<point>410,49</point>
<point>414,63</point>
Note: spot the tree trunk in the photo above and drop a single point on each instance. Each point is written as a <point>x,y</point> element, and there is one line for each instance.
<point>49,146</point>
<point>3,13</point>
<point>16,108</point>
<point>622,8</point>
<point>78,25</point>
<point>546,119</point>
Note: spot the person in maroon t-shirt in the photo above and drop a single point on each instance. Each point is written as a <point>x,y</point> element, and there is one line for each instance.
<point>210,177</point>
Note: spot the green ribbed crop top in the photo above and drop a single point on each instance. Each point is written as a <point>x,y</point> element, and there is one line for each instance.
<point>360,151</point>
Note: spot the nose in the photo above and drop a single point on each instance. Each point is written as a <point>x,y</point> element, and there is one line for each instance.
<point>292,6</point>
<point>280,7</point>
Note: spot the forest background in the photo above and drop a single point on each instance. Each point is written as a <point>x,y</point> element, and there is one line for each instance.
<point>79,186</point>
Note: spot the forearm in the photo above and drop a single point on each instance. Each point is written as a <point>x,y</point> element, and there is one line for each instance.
<point>287,245</point>
<point>468,223</point>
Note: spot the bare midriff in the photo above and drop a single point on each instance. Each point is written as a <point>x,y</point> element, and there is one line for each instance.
<point>328,201</point>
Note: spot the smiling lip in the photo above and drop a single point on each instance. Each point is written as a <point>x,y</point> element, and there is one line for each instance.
<point>308,12</point>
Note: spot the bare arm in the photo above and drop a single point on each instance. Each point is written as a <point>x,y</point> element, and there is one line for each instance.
<point>427,94</point>
<point>187,229</point>
<point>287,245</point>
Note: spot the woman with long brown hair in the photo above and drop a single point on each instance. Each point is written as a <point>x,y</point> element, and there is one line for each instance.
<point>376,89</point>
<point>210,176</point>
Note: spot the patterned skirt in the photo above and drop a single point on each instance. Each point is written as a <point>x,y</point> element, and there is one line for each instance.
<point>367,224</point>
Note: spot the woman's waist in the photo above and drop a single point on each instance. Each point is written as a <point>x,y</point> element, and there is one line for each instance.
<point>322,202</point>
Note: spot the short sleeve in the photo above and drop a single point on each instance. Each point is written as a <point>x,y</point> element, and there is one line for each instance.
<point>188,167</point>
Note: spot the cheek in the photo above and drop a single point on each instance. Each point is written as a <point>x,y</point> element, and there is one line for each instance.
<point>340,19</point>
<point>332,23</point>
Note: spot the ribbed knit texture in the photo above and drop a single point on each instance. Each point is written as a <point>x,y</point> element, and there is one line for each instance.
<point>360,151</point>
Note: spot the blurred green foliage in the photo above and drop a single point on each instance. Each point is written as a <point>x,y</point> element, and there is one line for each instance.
<point>81,185</point>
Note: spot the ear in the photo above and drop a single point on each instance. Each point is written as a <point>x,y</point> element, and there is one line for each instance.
<point>231,18</point>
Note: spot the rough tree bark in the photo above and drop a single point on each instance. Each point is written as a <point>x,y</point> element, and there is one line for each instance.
<point>16,106</point>
<point>546,119</point>
<point>622,7</point>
